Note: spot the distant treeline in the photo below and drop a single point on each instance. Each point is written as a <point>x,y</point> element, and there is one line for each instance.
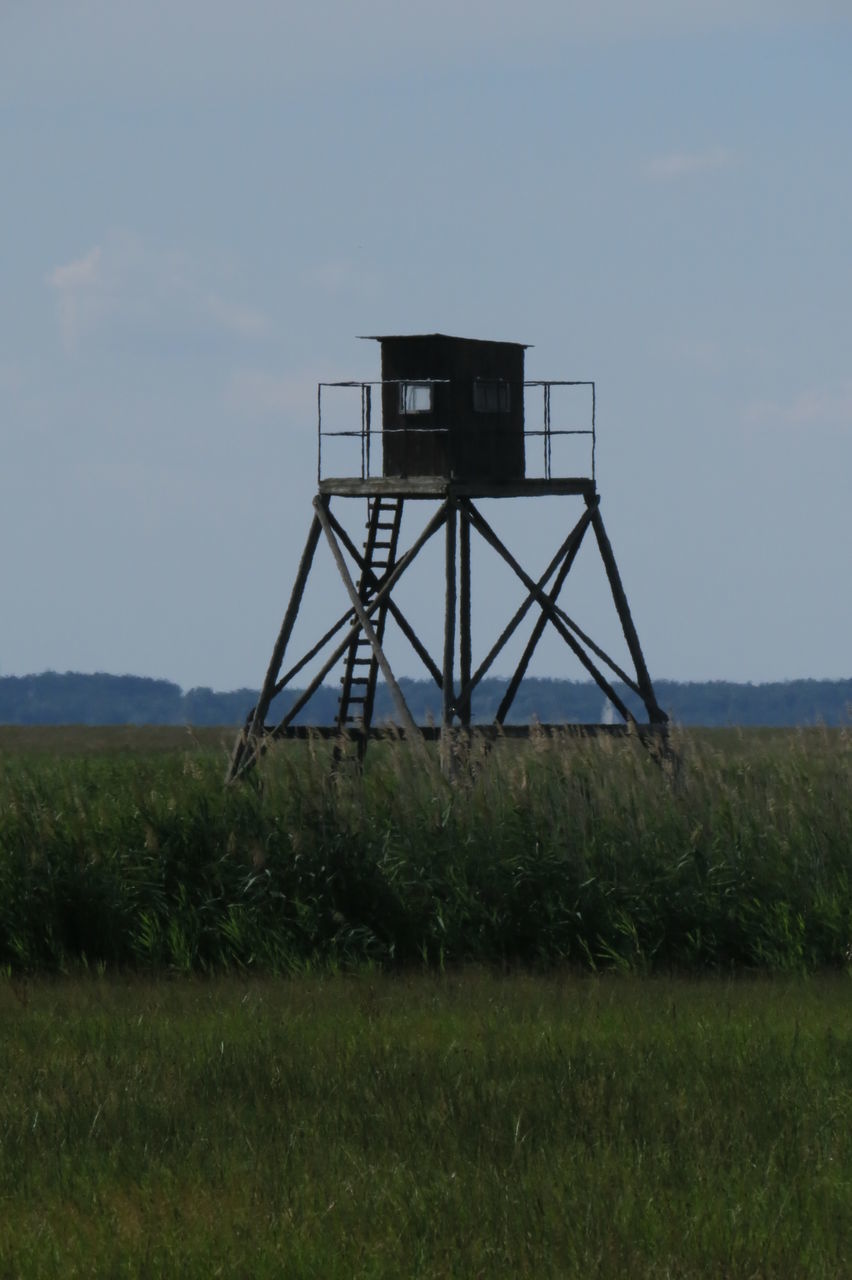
<point>53,698</point>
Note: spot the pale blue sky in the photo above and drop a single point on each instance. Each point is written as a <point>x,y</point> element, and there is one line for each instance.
<point>203,204</point>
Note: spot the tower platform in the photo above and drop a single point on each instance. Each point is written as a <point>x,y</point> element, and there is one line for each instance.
<point>445,487</point>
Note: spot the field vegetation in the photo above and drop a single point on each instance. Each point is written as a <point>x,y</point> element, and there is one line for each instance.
<point>122,849</point>
<point>382,1025</point>
<point>466,1125</point>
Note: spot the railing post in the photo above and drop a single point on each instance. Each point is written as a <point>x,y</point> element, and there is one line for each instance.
<point>369,413</point>
<point>319,433</point>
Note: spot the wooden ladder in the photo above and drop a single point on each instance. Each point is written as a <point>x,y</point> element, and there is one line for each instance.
<point>361,669</point>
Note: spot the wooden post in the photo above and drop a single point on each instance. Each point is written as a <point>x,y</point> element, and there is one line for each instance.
<point>464,616</point>
<point>267,693</point>
<point>447,693</point>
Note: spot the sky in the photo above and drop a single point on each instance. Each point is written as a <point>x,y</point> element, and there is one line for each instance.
<point>203,204</point>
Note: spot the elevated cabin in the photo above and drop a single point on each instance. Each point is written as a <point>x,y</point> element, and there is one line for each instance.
<point>452,407</point>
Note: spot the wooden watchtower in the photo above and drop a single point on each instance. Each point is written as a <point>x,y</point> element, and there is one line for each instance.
<point>451,431</point>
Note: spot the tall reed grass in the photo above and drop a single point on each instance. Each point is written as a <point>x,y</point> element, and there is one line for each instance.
<point>557,852</point>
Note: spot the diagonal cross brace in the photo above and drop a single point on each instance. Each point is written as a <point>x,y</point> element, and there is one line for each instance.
<point>247,749</point>
<point>382,597</point>
<point>401,565</point>
<point>642,687</point>
<point>574,538</point>
<point>399,617</point>
<point>541,622</point>
<point>553,612</point>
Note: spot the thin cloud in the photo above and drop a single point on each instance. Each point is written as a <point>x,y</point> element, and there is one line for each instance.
<point>78,274</point>
<point>812,409</point>
<point>147,291</point>
<point>683,164</point>
<point>79,294</point>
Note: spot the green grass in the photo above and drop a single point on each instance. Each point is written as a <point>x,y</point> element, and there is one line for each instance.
<point>560,852</point>
<point>420,1126</point>
<point>399,1108</point>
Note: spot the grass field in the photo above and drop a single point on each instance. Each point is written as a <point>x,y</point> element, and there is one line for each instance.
<point>332,1025</point>
<point>121,848</point>
<point>468,1126</point>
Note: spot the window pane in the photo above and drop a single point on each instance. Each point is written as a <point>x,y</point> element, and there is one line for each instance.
<point>415,397</point>
<point>490,396</point>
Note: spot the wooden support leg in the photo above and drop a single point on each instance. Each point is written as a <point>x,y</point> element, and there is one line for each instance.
<point>646,689</point>
<point>464,707</point>
<point>447,702</point>
<point>246,743</point>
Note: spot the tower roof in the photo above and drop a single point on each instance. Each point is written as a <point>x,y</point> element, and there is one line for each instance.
<point>446,337</point>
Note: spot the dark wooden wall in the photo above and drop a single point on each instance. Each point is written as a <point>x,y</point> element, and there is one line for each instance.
<point>454,440</point>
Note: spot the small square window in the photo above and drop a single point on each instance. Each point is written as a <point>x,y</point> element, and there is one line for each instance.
<point>490,396</point>
<point>415,397</point>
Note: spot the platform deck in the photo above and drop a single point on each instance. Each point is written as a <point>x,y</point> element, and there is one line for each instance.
<point>441,487</point>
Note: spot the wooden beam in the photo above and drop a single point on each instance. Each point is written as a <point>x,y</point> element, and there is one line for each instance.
<point>465,658</point>
<point>284,680</point>
<point>445,487</point>
<point>447,700</point>
<point>488,732</point>
<point>416,643</point>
